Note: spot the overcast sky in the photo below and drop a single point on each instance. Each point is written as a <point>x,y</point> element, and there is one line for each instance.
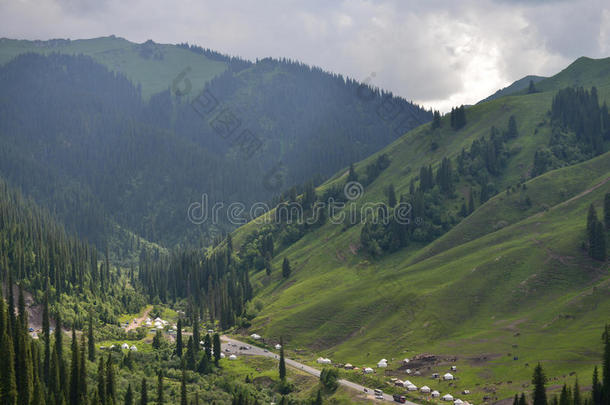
<point>437,53</point>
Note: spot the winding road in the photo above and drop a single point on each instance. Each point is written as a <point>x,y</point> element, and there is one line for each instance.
<point>233,346</point>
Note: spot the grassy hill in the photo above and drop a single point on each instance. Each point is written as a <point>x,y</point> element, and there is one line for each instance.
<point>154,66</point>
<point>514,87</point>
<point>504,288</point>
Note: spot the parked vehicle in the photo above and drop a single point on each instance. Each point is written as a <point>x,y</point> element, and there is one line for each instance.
<point>400,398</point>
<point>378,394</point>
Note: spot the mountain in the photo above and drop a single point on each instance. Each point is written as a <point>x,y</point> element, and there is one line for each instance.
<point>515,87</point>
<point>488,267</point>
<point>120,139</point>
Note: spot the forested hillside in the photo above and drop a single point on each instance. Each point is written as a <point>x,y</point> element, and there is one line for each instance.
<point>114,165</point>
<point>479,238</point>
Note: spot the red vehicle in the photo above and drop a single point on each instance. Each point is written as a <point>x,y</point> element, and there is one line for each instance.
<point>400,398</point>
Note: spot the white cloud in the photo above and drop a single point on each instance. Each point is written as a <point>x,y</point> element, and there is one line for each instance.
<point>438,53</point>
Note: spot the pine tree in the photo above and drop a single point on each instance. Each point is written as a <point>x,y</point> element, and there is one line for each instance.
<point>470,202</point>
<point>282,366</point>
<point>596,388</point>
<point>156,343</point>
<point>101,382</point>
<point>531,88</point>
<point>564,397</point>
<point>391,196</point>
<point>207,345</point>
<point>190,354</point>
<point>82,369</point>
<point>160,399</point>
<point>436,120</point>
<point>522,399</point>
<point>74,373</point>
<point>576,398</point>
<point>539,381</point>
<point>110,382</point>
<point>516,400</point>
<point>598,250</point>
<point>196,335</point>
<point>179,339</point>
<point>46,336</point>
<point>8,383</point>
<point>90,339</point>
<point>143,393</point>
<point>217,348</point>
<point>58,347</point>
<point>128,396</point>
<point>286,268</point>
<point>183,399</point>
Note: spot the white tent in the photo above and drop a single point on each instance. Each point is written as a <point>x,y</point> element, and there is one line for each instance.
<point>159,327</point>
<point>383,360</point>
<point>368,370</point>
<point>278,346</point>
<point>435,394</point>
<point>222,355</point>
<point>348,366</point>
<point>405,362</point>
<point>133,348</point>
<point>232,357</point>
<point>406,383</point>
<point>458,402</point>
<point>320,360</point>
<point>326,361</point>
<point>412,387</point>
<point>382,364</point>
<point>447,397</point>
<point>408,371</point>
<point>425,389</point>
<point>453,368</point>
<point>255,336</point>
<point>157,319</point>
<point>124,346</point>
<point>448,376</point>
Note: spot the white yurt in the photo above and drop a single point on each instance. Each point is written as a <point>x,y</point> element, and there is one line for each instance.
<point>368,370</point>
<point>125,346</point>
<point>406,383</point>
<point>382,364</point>
<point>408,371</point>
<point>448,376</point>
<point>133,348</point>
<point>222,355</point>
<point>425,389</point>
<point>326,361</point>
<point>412,387</point>
<point>232,357</point>
<point>458,402</point>
<point>348,366</point>
<point>447,397</point>
<point>278,346</point>
<point>255,336</point>
<point>435,394</point>
<point>159,327</point>
<point>405,362</point>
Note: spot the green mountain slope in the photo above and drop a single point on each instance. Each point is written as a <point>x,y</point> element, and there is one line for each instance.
<point>508,281</point>
<point>514,87</point>
<point>154,66</point>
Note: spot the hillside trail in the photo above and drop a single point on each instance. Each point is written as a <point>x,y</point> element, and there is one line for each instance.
<point>584,193</point>
<point>138,321</point>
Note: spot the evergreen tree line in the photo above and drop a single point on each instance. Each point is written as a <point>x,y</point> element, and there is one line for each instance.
<point>216,283</point>
<point>428,218</point>
<point>579,129</point>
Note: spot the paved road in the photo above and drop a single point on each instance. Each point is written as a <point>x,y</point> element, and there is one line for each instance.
<point>234,345</point>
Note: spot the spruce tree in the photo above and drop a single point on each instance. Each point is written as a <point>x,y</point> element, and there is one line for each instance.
<point>82,369</point>
<point>516,400</point>
<point>217,348</point>
<point>539,381</point>
<point>179,339</point>
<point>522,399</point>
<point>128,396</point>
<point>191,358</point>
<point>391,196</point>
<point>101,382</point>
<point>110,381</point>
<point>598,249</point>
<point>183,399</point>
<point>207,345</point>
<point>90,339</point>
<point>196,336</point>
<point>282,365</point>
<point>160,399</point>
<point>74,373</point>
<point>576,398</point>
<point>351,175</point>
<point>8,383</point>
<point>143,393</point>
<point>596,388</point>
<point>46,336</point>
<point>286,268</point>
